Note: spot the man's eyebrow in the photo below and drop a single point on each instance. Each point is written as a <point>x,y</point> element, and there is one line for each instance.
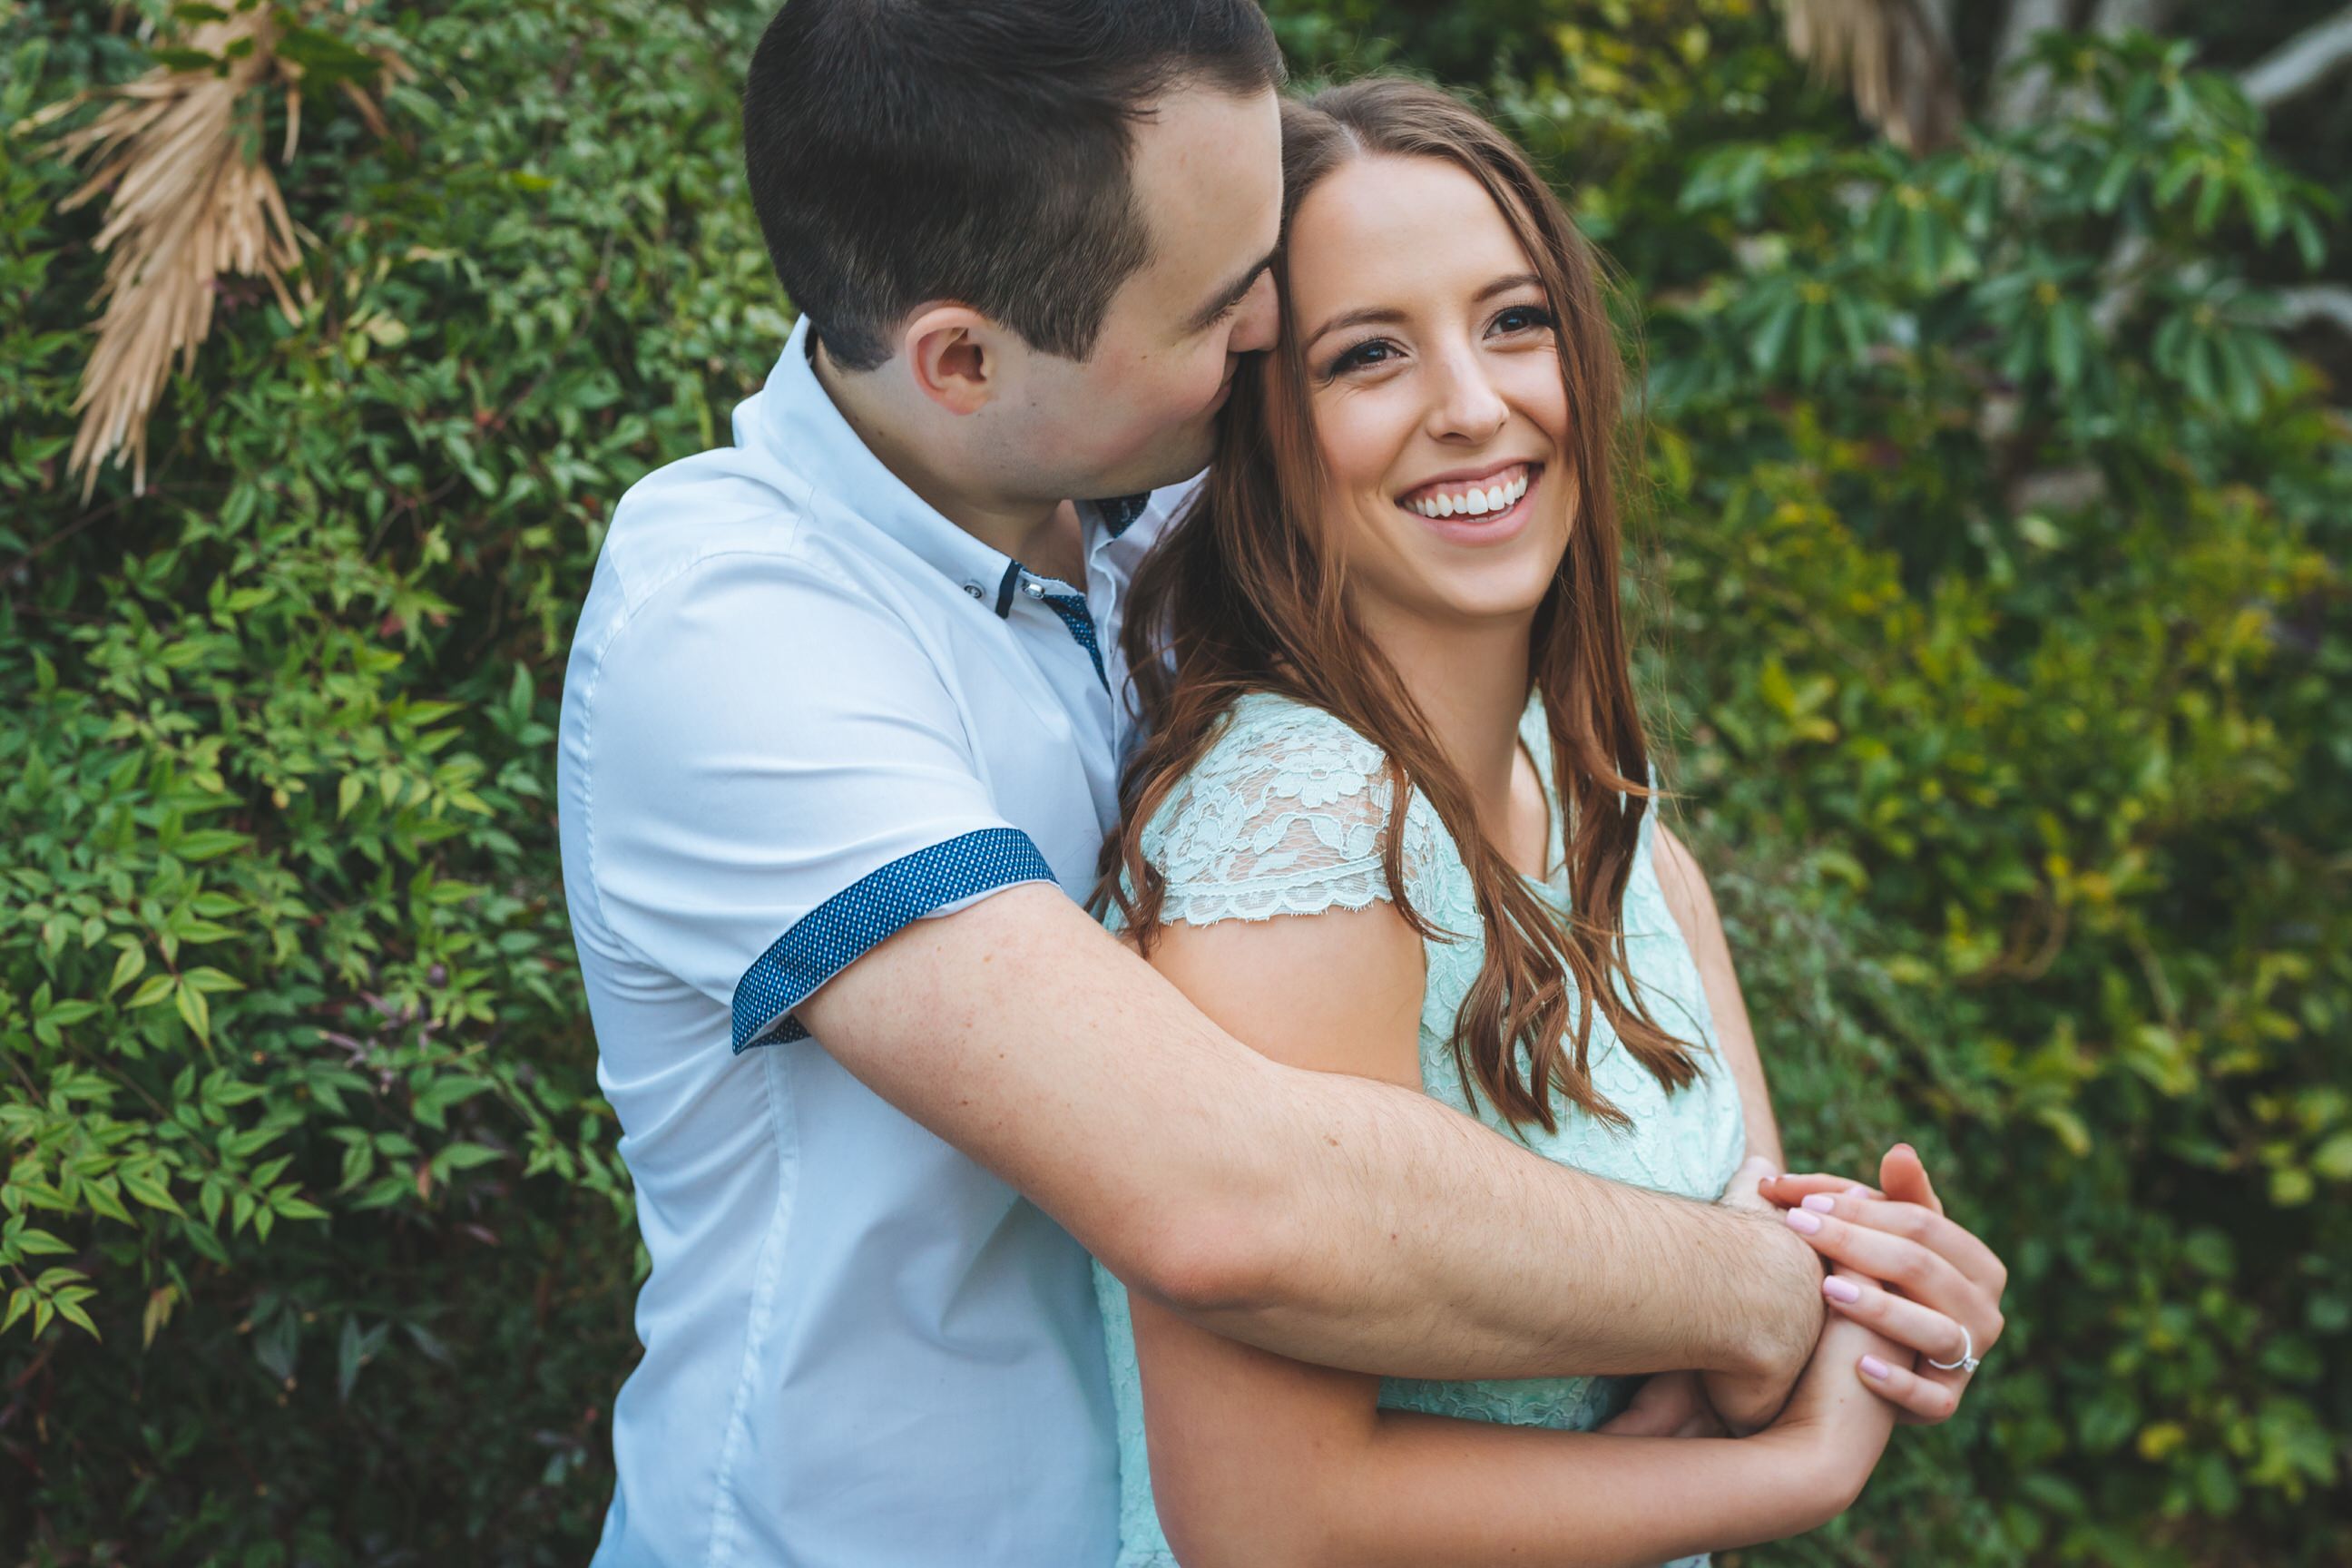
<point>1371,315</point>
<point>1232,293</point>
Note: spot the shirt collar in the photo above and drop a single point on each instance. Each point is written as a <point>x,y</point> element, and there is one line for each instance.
<point>796,421</point>
<point>1118,513</point>
<point>793,420</point>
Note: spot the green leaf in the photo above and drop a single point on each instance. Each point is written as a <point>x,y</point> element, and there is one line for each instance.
<point>2309,243</point>
<point>194,1010</point>
<point>1765,348</point>
<point>151,1191</point>
<point>209,843</point>
<point>2210,197</point>
<point>325,60</point>
<point>72,1312</point>
<point>2333,1158</point>
<point>2262,204</point>
<point>2114,178</point>
<point>465,1157</point>
<point>2065,346</point>
<point>154,989</point>
<point>350,1354</point>
<point>103,1199</point>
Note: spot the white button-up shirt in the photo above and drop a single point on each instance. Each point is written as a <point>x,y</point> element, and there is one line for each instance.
<point>803,709</point>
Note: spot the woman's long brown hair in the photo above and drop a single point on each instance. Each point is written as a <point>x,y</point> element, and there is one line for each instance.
<point>1242,596</point>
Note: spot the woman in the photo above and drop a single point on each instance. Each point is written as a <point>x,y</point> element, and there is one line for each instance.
<point>1395,697</point>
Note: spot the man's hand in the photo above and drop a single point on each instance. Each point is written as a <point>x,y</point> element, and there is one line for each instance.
<point>1834,1432</point>
<point>1746,1402</point>
<point>1667,1405</point>
<point>1934,1279</point>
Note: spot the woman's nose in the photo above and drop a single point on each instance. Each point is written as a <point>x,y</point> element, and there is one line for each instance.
<point>1463,404</point>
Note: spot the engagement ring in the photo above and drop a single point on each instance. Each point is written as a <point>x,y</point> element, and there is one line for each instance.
<point>1968,1362</point>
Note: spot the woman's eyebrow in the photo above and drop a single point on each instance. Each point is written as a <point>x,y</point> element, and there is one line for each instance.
<point>1504,285</point>
<point>1383,315</point>
<point>1367,316</point>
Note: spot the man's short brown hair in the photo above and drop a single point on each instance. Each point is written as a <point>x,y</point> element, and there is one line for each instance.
<point>979,150</point>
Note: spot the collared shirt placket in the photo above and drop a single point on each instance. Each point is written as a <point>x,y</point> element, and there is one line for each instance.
<point>1066,603</point>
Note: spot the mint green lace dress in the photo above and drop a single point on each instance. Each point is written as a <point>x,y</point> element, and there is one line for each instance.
<point>1285,815</point>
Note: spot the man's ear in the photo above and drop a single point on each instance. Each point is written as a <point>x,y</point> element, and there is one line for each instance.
<point>957,356</point>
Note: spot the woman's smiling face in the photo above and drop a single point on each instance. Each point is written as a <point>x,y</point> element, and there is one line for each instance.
<point>1440,415</point>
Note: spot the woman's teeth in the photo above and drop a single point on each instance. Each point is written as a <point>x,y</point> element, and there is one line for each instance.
<point>1471,500</point>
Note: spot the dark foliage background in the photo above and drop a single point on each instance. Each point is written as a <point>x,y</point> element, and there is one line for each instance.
<point>2001,513</point>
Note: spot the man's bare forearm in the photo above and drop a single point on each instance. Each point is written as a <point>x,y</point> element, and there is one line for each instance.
<point>1325,1218</point>
<point>1420,1244</point>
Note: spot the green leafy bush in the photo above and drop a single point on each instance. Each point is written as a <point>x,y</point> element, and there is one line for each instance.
<point>2000,538</point>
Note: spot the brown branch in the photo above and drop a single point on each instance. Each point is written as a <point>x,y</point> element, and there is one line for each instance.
<point>2329,302</point>
<point>2019,98</point>
<point>2302,63</point>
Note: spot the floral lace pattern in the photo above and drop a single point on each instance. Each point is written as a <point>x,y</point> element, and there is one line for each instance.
<point>1286,815</point>
<point>1291,820</point>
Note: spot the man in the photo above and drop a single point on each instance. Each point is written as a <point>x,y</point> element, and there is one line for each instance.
<point>839,745</point>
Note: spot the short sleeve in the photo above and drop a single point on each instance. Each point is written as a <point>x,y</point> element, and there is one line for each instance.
<point>1287,813</point>
<point>775,778</point>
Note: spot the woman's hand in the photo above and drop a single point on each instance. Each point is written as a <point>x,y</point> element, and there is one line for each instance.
<point>1925,1282</point>
<point>1834,1428</point>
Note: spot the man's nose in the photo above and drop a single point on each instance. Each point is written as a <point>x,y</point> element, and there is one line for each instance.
<point>1259,321</point>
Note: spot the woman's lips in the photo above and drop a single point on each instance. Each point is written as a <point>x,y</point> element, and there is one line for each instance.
<point>1484,528</point>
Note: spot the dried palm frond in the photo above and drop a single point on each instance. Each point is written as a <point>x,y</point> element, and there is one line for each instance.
<point>189,201</point>
<point>1895,55</point>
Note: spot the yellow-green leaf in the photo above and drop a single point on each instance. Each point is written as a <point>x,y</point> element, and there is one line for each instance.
<point>194,1011</point>
<point>156,988</point>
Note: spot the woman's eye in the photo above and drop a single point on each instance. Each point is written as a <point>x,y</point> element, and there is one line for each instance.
<point>1364,355</point>
<point>1522,318</point>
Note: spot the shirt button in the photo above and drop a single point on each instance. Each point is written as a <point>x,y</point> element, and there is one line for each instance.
<point>1034,590</point>
<point>973,589</point>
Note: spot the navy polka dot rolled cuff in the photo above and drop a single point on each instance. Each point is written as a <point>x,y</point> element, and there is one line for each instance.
<point>829,937</point>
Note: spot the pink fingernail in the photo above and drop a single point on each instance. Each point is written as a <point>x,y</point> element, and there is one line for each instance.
<point>1838,1289</point>
<point>1857,1191</point>
<point>1804,1220</point>
<point>1872,1367</point>
<point>1821,1202</point>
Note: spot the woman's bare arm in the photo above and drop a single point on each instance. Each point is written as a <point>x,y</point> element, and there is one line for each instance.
<point>1693,905</point>
<point>1260,1460</point>
<point>1945,1276</point>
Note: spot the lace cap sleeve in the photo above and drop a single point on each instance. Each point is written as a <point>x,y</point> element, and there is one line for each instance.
<point>1286,815</point>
